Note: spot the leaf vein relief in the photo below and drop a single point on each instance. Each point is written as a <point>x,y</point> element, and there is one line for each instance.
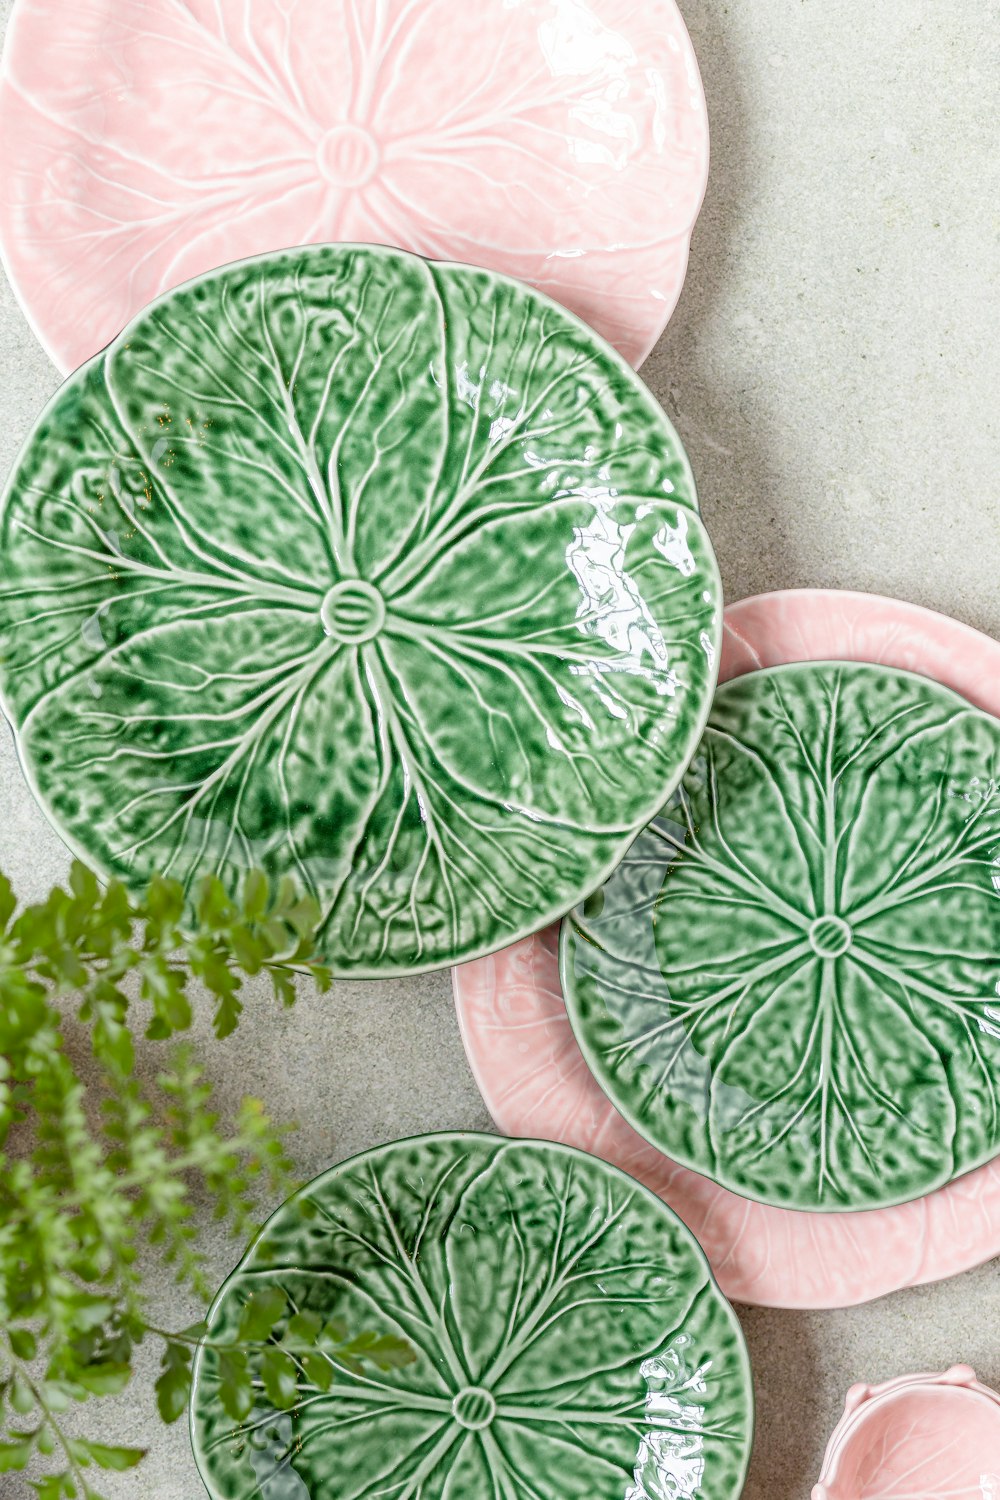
<point>570,1318</point>
<point>812,1021</point>
<point>384,575</point>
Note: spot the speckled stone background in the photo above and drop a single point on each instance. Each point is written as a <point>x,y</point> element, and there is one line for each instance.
<point>834,369</point>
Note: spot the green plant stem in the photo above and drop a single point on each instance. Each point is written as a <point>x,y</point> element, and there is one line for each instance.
<point>124,1183</point>
<point>193,1343</point>
<point>95,1168</point>
<point>238,1348</point>
<point>52,1421</point>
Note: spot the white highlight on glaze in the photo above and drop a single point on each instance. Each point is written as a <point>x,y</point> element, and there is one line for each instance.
<point>612,606</point>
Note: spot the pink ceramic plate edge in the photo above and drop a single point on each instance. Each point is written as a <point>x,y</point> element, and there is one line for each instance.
<point>147,141</point>
<point>924,1455</point>
<point>534,1080</point>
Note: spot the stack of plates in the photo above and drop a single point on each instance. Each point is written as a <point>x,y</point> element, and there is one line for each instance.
<point>811,1086</point>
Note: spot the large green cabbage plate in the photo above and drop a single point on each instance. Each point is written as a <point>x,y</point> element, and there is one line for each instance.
<point>569,1342</point>
<point>382,574</point>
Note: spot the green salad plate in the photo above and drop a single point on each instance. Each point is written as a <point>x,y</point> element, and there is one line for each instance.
<point>384,575</point>
<point>566,1339</point>
<point>792,982</point>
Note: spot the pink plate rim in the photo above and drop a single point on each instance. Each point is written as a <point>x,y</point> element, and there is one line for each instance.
<point>55,82</point>
<point>760,1255</point>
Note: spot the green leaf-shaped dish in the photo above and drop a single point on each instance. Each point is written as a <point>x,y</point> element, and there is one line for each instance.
<point>382,574</point>
<point>791,983</point>
<point>570,1342</point>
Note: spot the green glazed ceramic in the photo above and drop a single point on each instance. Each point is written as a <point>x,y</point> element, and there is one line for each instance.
<point>570,1342</point>
<point>792,983</point>
<point>382,574</point>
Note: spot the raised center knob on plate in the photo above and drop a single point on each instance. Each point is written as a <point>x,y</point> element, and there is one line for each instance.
<point>348,156</point>
<point>474,1408</point>
<point>830,937</point>
<point>353,612</point>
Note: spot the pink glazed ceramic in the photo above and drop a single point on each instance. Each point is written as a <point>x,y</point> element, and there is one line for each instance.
<point>145,141</point>
<point>534,1080</point>
<point>921,1437</point>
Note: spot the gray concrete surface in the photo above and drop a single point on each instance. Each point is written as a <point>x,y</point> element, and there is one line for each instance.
<point>834,368</point>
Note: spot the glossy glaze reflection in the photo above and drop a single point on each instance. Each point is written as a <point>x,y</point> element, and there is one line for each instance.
<point>564,142</point>
<point>791,983</point>
<point>569,1338</point>
<point>383,575</point>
